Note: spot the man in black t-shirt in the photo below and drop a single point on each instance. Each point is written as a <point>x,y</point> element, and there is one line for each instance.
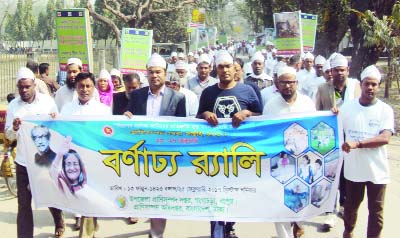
<point>227,99</point>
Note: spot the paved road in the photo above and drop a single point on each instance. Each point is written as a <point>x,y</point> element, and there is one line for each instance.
<point>117,228</point>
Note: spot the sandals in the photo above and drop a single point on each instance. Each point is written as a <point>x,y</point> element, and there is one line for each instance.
<point>59,232</point>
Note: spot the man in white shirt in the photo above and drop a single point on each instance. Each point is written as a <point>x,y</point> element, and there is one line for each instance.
<point>182,69</point>
<point>85,104</point>
<point>308,73</point>
<point>368,125</point>
<point>67,92</point>
<point>191,99</point>
<point>311,85</point>
<point>288,101</point>
<point>258,76</point>
<point>29,103</point>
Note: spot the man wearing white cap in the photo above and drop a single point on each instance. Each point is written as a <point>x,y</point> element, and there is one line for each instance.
<point>269,92</point>
<point>181,68</point>
<point>368,124</point>
<point>192,65</point>
<point>116,80</point>
<point>308,73</point>
<point>191,99</point>
<point>67,92</point>
<point>310,86</point>
<point>269,46</point>
<point>289,101</point>
<point>181,56</point>
<point>153,101</point>
<point>29,103</point>
<point>227,99</point>
<point>258,76</point>
<point>203,78</point>
<point>173,60</point>
<point>270,62</point>
<point>340,89</point>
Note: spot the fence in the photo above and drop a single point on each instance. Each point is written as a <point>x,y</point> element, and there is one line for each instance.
<point>10,63</point>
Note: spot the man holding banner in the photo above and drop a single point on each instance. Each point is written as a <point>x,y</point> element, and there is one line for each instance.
<point>156,100</point>
<point>289,101</point>
<point>227,99</point>
<point>30,102</point>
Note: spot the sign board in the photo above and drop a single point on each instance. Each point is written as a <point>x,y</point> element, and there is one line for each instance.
<point>288,39</point>
<point>309,24</point>
<point>74,37</point>
<point>135,50</point>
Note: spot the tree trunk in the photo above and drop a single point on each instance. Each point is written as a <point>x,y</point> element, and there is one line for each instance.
<point>388,76</point>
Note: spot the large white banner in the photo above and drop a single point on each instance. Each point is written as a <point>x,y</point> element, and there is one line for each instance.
<point>268,169</point>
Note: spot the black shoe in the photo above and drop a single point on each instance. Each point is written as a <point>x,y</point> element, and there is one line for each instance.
<point>325,228</point>
<point>77,225</point>
<point>231,234</point>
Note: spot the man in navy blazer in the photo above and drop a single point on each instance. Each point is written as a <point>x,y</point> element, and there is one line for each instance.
<point>156,99</point>
<point>153,101</point>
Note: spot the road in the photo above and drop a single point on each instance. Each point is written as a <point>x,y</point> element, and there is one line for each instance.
<point>118,228</point>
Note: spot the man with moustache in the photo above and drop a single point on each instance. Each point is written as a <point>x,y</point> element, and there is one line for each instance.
<point>153,101</point>
<point>215,102</point>
<point>258,76</point>
<point>30,102</point>
<point>67,92</point>
<point>368,125</point>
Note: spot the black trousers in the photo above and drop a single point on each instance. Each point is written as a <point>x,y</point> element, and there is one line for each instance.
<point>25,215</point>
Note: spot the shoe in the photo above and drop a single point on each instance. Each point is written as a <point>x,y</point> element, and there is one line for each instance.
<point>231,234</point>
<point>341,212</point>
<point>297,231</point>
<point>59,232</point>
<point>325,227</point>
<point>347,234</point>
<point>132,220</point>
<point>77,225</point>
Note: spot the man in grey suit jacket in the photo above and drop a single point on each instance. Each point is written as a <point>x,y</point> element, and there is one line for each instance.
<point>156,100</point>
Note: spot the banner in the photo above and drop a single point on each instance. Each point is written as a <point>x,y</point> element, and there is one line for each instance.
<point>74,37</point>
<point>268,169</point>
<point>212,35</point>
<point>135,50</point>
<point>288,39</point>
<point>309,24</point>
<point>199,15</point>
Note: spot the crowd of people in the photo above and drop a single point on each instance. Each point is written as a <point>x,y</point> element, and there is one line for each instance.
<point>210,84</point>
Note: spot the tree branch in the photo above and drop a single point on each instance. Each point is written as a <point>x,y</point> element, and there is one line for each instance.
<point>106,21</point>
<point>117,11</point>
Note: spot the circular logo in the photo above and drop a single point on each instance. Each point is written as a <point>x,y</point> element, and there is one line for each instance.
<point>120,201</point>
<point>108,130</point>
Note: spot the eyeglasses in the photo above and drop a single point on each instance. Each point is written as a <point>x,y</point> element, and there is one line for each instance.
<point>283,83</point>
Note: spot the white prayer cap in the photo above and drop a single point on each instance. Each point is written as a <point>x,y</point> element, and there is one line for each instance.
<point>263,51</point>
<point>25,73</point>
<point>180,64</point>
<point>258,56</point>
<point>204,58</point>
<point>274,50</point>
<point>327,66</point>
<point>104,74</point>
<point>223,57</point>
<point>174,54</point>
<point>277,66</point>
<point>308,55</point>
<point>181,55</point>
<point>74,61</point>
<point>190,54</point>
<point>320,60</point>
<point>200,50</point>
<point>115,72</point>
<point>156,60</point>
<point>332,56</point>
<point>269,43</point>
<point>339,61</point>
<point>286,70</point>
<point>371,72</point>
<point>196,56</point>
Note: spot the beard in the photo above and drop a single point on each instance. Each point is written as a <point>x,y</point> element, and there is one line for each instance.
<point>70,83</point>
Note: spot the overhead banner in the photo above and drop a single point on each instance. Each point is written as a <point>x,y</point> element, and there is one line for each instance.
<point>309,24</point>
<point>74,37</point>
<point>288,39</point>
<point>135,50</point>
<point>268,169</point>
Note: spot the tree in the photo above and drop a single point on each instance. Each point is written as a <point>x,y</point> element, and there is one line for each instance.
<point>30,21</point>
<point>134,13</point>
<point>15,28</point>
<point>383,32</point>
